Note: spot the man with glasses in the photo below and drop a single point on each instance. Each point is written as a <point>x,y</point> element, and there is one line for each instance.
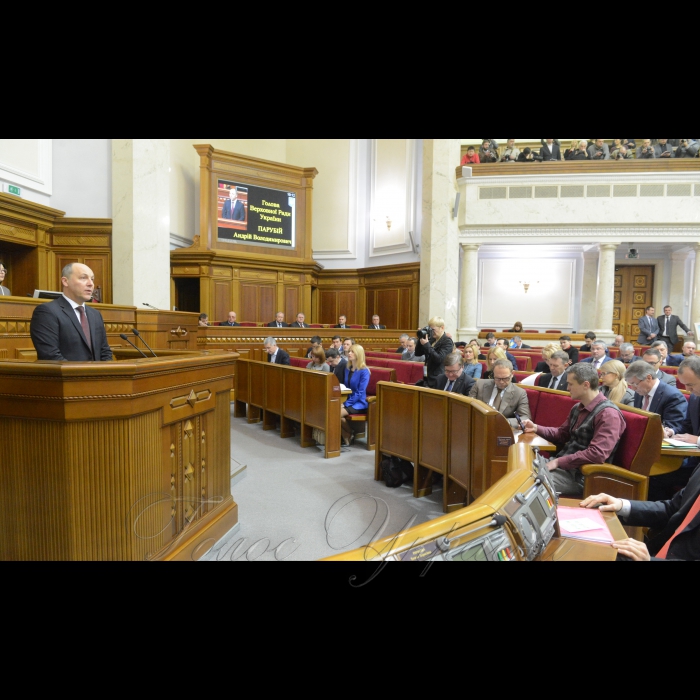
<point>589,436</point>
<point>500,393</point>
<point>454,380</point>
<point>627,355</point>
<point>653,357</point>
<point>4,291</point>
<point>653,395</point>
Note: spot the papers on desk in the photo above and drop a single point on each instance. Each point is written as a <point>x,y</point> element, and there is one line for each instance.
<point>583,524</point>
<point>677,444</point>
<point>343,387</point>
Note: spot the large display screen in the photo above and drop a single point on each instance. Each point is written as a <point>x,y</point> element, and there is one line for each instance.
<point>255,215</point>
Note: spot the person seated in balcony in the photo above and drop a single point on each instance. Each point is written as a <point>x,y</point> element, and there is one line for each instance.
<point>646,150</point>
<point>517,328</point>
<point>581,153</point>
<point>550,150</point>
<point>318,360</point>
<point>4,291</point>
<point>488,153</point>
<point>687,148</point>
<point>663,149</point>
<point>529,156</point>
<point>510,155</point>
<point>203,320</point>
<point>613,383</point>
<point>628,145</point>
<point>590,435</point>
<point>231,320</point>
<point>621,154</point>
<point>573,148</point>
<point>599,150</point>
<point>471,157</point>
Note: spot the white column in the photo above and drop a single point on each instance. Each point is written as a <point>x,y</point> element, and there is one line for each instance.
<point>589,291</point>
<point>606,292</point>
<point>676,297</point>
<point>439,265</point>
<point>469,292</point>
<point>141,222</point>
<point>695,309</point>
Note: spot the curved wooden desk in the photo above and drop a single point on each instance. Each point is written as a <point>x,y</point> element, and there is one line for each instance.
<point>116,460</point>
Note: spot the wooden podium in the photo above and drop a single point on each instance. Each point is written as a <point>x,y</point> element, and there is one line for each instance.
<point>122,461</point>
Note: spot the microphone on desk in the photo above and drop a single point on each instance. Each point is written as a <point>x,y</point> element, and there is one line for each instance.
<point>150,307</point>
<point>138,335</point>
<point>498,520</point>
<point>123,336</point>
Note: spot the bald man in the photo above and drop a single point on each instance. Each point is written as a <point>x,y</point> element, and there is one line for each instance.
<point>65,328</point>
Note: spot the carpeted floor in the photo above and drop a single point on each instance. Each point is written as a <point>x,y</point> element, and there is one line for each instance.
<point>295,505</point>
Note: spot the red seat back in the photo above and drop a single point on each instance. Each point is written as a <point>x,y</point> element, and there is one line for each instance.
<point>629,442</point>
<point>583,355</point>
<point>524,363</point>
<point>519,376</point>
<point>549,408</point>
<point>484,367</point>
<point>379,374</point>
<point>248,324</point>
<point>299,362</point>
<point>406,372</point>
<point>613,352</point>
<point>554,331</point>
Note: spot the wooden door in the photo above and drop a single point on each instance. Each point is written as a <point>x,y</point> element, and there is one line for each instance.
<point>634,291</point>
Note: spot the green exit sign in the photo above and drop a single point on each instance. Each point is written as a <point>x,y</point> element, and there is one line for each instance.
<point>13,189</point>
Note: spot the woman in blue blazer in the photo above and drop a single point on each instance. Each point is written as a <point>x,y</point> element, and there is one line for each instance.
<point>472,366</point>
<point>356,379</point>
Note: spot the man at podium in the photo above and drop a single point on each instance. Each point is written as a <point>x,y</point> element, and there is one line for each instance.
<point>66,329</point>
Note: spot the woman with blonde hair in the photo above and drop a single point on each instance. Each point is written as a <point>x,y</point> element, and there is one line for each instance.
<point>496,353</point>
<point>472,366</point>
<point>613,385</point>
<point>547,351</point>
<point>356,379</point>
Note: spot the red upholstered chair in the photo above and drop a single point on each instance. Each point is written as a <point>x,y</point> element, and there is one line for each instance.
<point>299,362</point>
<point>484,367</point>
<point>216,323</point>
<point>489,330</point>
<point>524,362</point>
<point>554,331</point>
<point>353,326</point>
<point>248,324</point>
<point>316,325</point>
<point>519,376</point>
<point>406,372</point>
<point>583,355</point>
<point>530,331</point>
<point>613,352</point>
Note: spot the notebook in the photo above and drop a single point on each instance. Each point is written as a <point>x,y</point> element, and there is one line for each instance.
<point>584,524</point>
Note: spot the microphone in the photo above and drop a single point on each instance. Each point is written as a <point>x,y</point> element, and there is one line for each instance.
<point>150,307</point>
<point>444,544</point>
<point>123,336</point>
<point>138,335</point>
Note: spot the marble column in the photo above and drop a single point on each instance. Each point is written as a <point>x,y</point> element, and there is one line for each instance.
<point>606,292</point>
<point>676,297</point>
<point>141,222</point>
<point>469,293</point>
<point>439,268</point>
<point>587,314</point>
<point>695,309</point>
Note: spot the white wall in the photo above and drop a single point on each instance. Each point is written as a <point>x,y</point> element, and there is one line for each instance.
<point>26,163</point>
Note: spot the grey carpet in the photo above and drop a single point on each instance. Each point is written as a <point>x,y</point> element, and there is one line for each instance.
<point>295,505</point>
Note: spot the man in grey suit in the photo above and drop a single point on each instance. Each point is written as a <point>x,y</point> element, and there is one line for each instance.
<point>500,393</point>
<point>599,150</point>
<point>66,329</point>
<point>646,151</point>
<point>663,149</point>
<point>653,357</point>
<point>648,327</point>
<point>668,327</point>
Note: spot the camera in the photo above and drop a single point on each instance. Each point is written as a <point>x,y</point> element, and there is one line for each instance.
<point>426,332</point>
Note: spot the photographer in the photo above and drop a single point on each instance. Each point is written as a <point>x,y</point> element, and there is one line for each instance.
<point>687,148</point>
<point>528,156</point>
<point>435,346</point>
<point>488,153</point>
<point>599,150</point>
<point>646,150</point>
<point>510,155</point>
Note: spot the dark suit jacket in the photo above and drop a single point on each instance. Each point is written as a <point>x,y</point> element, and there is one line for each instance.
<point>553,154</point>
<point>463,385</point>
<point>434,357</point>
<point>226,323</point>
<point>297,325</point>
<point>672,330</point>
<point>58,335</point>
<point>282,357</point>
<point>522,347</point>
<point>544,379</point>
<point>648,325</point>
<point>664,517</point>
<point>572,352</point>
<point>346,327</point>
<point>514,400</point>
<point>339,370</point>
<point>674,360</point>
<point>669,403</point>
<point>381,328</point>
<point>592,359</point>
<point>238,211</point>
<point>273,324</point>
<point>667,378</point>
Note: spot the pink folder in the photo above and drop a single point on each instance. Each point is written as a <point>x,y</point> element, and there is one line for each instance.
<point>565,513</point>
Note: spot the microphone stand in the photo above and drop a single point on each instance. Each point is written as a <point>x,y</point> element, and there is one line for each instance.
<point>124,337</point>
<point>138,335</point>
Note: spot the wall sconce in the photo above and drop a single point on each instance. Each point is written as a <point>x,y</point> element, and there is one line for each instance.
<point>527,284</point>
<point>388,222</point>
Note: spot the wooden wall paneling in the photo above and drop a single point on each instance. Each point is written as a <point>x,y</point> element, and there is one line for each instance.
<point>329,308</point>
<point>292,305</point>
<point>370,307</point>
<point>222,300</point>
<point>249,302</point>
<point>347,304</point>
<point>268,306</point>
<point>404,313</point>
<point>387,306</point>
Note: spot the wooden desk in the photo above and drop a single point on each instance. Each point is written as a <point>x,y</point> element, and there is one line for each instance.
<point>671,460</point>
<point>567,549</point>
<point>534,440</point>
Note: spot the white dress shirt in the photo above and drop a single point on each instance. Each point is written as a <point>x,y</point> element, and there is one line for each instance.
<point>75,308</point>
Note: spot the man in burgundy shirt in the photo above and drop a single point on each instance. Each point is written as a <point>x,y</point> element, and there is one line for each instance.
<point>589,436</point>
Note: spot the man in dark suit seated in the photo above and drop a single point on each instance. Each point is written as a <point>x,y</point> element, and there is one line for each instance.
<point>590,434</point>
<point>403,343</point>
<point>599,354</point>
<point>278,322</point>
<point>336,363</point>
<point>653,357</point>
<point>231,320</point>
<point>511,358</point>
<point>490,340</point>
<point>375,324</point>
<point>233,207</point>
<point>300,322</point>
<point>66,329</point>
<point>668,327</point>
<point>518,344</point>
<point>569,349</point>
<point>454,380</point>
<point>653,395</point>
<point>627,355</point>
<point>556,378</point>
<point>275,354</point>
<point>500,393</point>
<point>689,349</point>
<point>342,322</point>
